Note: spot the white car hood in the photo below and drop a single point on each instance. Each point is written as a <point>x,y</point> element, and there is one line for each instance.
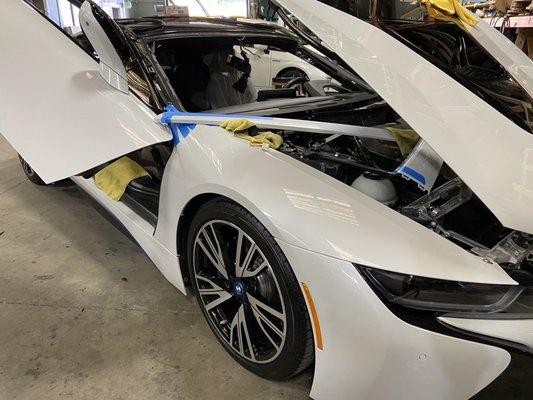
<point>489,152</point>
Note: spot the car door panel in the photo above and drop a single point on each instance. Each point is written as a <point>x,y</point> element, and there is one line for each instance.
<point>56,110</point>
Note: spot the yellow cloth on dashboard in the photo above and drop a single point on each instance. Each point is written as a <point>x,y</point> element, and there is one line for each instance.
<point>406,139</point>
<point>240,128</point>
<point>114,178</point>
<point>450,10</point>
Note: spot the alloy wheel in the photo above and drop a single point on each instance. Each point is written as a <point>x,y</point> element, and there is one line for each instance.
<point>239,291</point>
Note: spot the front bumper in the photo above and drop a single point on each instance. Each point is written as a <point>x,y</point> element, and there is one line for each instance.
<point>514,383</point>
<point>370,353</point>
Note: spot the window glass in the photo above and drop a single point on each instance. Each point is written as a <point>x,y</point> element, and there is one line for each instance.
<point>68,17</point>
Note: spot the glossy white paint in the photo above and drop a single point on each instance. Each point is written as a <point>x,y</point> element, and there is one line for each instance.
<point>265,67</point>
<point>370,354</point>
<point>111,67</point>
<point>332,218</point>
<point>514,330</point>
<point>56,110</point>
<point>514,60</point>
<point>490,153</point>
<point>140,230</point>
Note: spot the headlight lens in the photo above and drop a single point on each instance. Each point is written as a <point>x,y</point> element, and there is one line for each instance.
<point>440,295</point>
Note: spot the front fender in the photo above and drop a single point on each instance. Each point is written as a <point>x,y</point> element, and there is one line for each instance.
<point>308,209</point>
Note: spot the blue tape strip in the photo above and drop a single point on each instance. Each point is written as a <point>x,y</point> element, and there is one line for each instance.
<point>417,176</point>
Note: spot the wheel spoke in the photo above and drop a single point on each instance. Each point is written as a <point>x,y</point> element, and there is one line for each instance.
<point>238,250</point>
<point>250,274</point>
<point>214,253</point>
<point>262,311</point>
<point>214,290</point>
<point>240,326</point>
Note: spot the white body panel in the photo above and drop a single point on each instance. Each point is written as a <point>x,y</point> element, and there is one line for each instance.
<point>140,230</point>
<point>306,208</point>
<point>515,61</point>
<point>111,67</point>
<point>265,67</point>
<point>371,354</point>
<point>261,64</point>
<point>489,152</point>
<point>72,120</point>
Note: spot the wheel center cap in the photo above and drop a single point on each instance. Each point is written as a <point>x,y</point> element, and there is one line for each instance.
<point>238,288</point>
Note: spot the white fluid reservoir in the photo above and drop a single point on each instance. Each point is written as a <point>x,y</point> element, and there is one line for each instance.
<point>376,186</point>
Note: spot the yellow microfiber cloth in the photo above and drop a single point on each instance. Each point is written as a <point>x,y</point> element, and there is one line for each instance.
<point>406,139</point>
<point>237,125</point>
<point>114,178</point>
<point>273,140</point>
<point>450,10</point>
<point>240,128</point>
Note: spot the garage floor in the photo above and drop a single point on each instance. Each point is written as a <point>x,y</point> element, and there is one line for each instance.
<point>84,314</point>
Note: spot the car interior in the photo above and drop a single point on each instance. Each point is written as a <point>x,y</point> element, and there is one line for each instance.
<point>208,76</point>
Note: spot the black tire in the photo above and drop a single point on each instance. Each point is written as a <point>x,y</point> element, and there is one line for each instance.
<point>297,349</point>
<point>36,179</point>
<point>30,173</point>
<point>292,73</point>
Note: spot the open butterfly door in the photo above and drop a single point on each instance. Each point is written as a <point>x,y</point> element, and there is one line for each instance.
<point>57,109</point>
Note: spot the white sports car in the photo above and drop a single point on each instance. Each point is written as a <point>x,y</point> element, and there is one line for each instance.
<point>268,64</point>
<point>388,240</point>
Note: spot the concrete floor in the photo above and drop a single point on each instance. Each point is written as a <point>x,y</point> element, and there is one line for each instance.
<point>84,314</point>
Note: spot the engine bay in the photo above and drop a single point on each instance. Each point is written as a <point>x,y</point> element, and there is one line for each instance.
<point>450,209</point>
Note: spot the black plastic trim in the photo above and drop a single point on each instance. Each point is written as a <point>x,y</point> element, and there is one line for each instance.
<point>110,217</point>
<point>139,209</point>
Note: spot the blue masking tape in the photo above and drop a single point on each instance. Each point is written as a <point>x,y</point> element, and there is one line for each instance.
<point>178,129</point>
<point>414,174</point>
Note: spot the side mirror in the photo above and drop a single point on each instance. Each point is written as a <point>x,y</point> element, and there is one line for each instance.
<point>262,48</point>
<point>111,66</point>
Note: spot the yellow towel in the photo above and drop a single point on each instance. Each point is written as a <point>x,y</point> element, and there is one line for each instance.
<point>240,128</point>
<point>272,140</point>
<point>237,125</point>
<point>114,178</point>
<point>406,139</point>
<point>450,10</point>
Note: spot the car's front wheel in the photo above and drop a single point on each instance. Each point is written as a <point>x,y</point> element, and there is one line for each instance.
<point>30,173</point>
<point>248,292</point>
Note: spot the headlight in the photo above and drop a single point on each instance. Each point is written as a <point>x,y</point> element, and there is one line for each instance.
<point>440,295</point>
